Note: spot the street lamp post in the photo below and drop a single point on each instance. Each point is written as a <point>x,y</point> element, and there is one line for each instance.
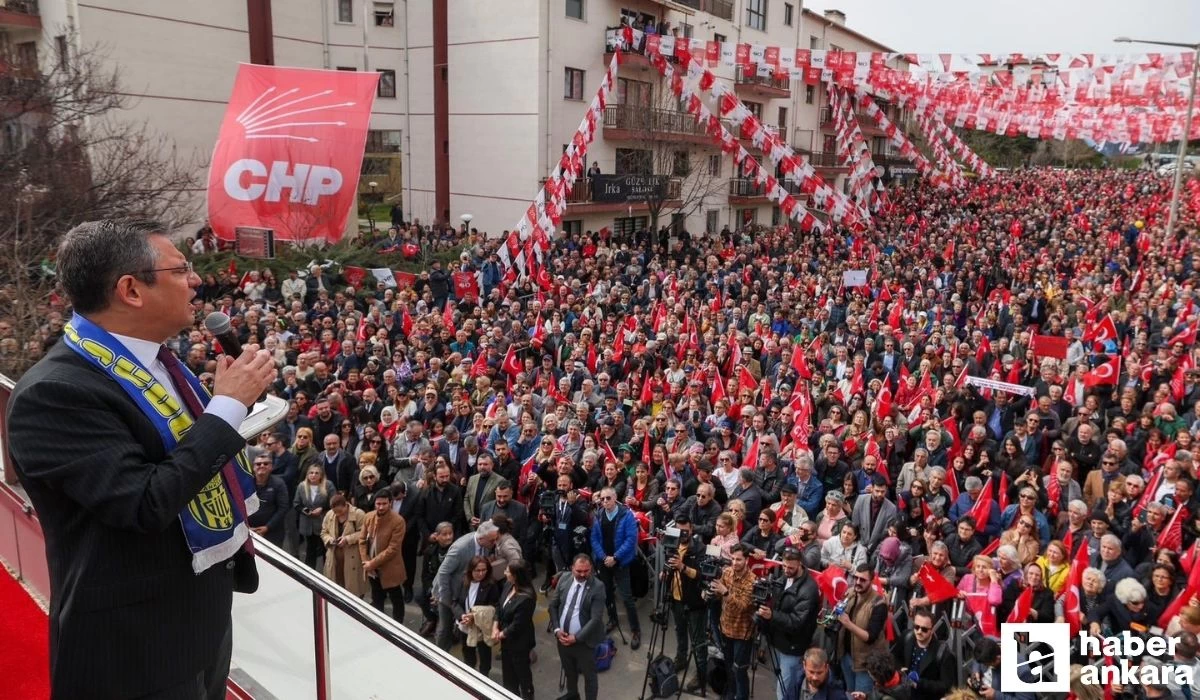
<point>1180,158</point>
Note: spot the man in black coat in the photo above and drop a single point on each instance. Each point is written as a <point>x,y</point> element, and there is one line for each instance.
<point>109,495</point>
<point>925,660</point>
<point>789,620</point>
<point>273,502</point>
<point>440,502</point>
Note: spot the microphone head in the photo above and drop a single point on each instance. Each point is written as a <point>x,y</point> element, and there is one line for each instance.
<point>217,323</point>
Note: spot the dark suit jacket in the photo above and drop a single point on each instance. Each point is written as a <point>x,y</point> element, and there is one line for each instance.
<point>591,609</point>
<point>515,619</point>
<point>108,497</point>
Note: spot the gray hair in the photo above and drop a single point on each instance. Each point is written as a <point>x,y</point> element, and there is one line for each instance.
<point>1007,551</point>
<point>95,254</point>
<point>940,471</point>
<point>1112,540</point>
<point>1129,590</point>
<point>1093,572</point>
<point>443,526</point>
<point>804,459</point>
<point>939,546</point>
<point>817,656</point>
<point>1078,507</point>
<point>487,527</point>
<point>973,482</point>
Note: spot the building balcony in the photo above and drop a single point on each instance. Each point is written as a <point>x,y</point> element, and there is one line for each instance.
<point>825,160</point>
<point>748,83</point>
<point>22,14</point>
<point>744,190</point>
<point>865,123</point>
<point>583,199</point>
<point>634,123</point>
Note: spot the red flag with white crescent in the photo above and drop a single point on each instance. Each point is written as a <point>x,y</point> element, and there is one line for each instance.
<point>289,152</point>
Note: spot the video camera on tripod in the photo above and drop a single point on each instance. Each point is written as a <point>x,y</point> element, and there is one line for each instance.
<point>765,591</point>
<point>711,566</point>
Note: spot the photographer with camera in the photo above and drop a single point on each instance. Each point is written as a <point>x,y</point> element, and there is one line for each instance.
<point>788,618</point>
<point>668,505</point>
<point>682,578</point>
<point>862,615</point>
<point>735,589</point>
<point>561,512</point>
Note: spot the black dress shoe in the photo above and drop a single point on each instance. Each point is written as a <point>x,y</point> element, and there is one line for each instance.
<point>408,596</point>
<point>428,628</point>
<point>635,641</point>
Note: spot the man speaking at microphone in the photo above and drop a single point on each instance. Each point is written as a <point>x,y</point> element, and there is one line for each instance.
<point>137,475</point>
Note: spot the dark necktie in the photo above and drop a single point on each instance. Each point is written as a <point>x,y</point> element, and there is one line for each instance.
<point>565,623</point>
<point>190,400</point>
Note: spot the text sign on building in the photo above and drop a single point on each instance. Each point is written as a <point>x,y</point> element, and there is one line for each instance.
<point>627,188</point>
<point>290,151</point>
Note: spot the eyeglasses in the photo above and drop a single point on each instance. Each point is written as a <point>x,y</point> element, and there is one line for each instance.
<point>608,498</point>
<point>922,628</point>
<point>185,268</point>
<point>1027,497</point>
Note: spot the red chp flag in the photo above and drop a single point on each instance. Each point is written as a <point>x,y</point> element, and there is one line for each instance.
<point>937,588</point>
<point>289,152</point>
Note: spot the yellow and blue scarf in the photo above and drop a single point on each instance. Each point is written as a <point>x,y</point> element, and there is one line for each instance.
<point>214,528</point>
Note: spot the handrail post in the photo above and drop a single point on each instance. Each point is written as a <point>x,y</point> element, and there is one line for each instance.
<point>321,646</point>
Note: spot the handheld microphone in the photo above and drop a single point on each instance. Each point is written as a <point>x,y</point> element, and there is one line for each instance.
<point>218,324</point>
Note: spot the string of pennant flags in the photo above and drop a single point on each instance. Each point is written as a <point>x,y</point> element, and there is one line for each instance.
<point>854,153</point>
<point>1123,98</point>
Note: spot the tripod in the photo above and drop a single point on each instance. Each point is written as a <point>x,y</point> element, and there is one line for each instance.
<point>761,640</point>
<point>658,620</point>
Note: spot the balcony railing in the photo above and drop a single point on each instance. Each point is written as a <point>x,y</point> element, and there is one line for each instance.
<point>824,159</point>
<point>648,121</point>
<point>747,187</point>
<point>718,8</point>
<point>582,192</point>
<point>21,7</point>
<point>771,82</point>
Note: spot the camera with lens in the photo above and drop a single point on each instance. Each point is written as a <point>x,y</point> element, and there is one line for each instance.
<point>548,500</point>
<point>668,539</point>
<point>711,566</point>
<point>975,683</point>
<point>765,590</point>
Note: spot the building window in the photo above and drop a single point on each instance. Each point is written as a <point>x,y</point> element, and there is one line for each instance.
<point>787,14</point>
<point>755,109</point>
<point>776,216</point>
<point>681,164</point>
<point>813,43</point>
<point>756,14</point>
<point>687,31</point>
<point>64,56</point>
<point>747,217</point>
<point>829,144</point>
<point>575,9</point>
<point>385,14</point>
<point>782,124</point>
<point>633,92</point>
<point>634,161</point>
<point>719,38</point>
<point>376,166</point>
<point>574,227</point>
<point>573,84</point>
<point>345,11</point>
<point>383,141</point>
<point>714,165</point>
<point>629,225</point>
<point>712,220</point>
<point>387,83</point>
<point>810,94</point>
<point>349,69</point>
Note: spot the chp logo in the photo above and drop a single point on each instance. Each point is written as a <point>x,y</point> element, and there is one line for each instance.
<point>290,151</point>
<point>1035,657</point>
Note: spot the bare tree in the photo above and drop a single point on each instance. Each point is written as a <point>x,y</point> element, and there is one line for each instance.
<point>664,143</point>
<point>68,155</point>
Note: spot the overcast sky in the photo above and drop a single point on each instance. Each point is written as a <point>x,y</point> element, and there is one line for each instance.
<point>1018,26</point>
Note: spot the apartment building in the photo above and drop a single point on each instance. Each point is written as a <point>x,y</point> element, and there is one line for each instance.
<point>477,98</point>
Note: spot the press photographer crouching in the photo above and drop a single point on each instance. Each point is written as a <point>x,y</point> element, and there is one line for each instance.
<point>685,590</point>
<point>788,618</point>
<point>735,588</point>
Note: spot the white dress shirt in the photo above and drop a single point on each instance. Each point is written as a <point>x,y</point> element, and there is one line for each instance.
<point>571,624</point>
<point>226,408</point>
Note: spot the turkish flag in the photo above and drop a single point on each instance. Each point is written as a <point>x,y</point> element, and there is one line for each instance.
<point>800,364</point>
<point>831,582</point>
<point>1021,609</point>
<point>1101,332</point>
<point>1106,373</point>
<point>982,510</point>
<point>1172,535</point>
<point>1073,592</point>
<point>937,588</point>
<point>511,364</point>
<point>883,403</point>
<point>289,152</point>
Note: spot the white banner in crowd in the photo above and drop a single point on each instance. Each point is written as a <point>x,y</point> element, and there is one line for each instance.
<point>1000,386</point>
<point>854,278</point>
<point>385,275</point>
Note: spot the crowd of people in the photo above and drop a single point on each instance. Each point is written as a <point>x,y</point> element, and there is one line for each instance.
<point>851,451</point>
